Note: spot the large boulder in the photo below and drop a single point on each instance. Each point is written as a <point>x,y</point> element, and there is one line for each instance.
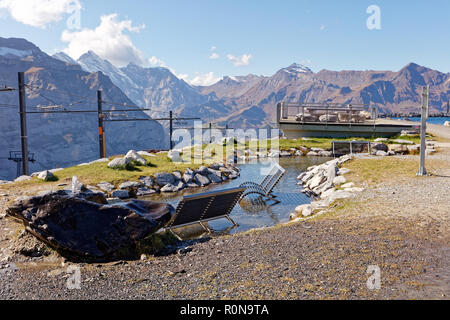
<point>164,178</point>
<point>119,163</point>
<point>188,176</point>
<point>380,147</point>
<point>105,186</point>
<point>147,181</point>
<point>201,180</point>
<point>399,148</point>
<point>87,231</point>
<point>133,156</point>
<point>175,156</point>
<point>46,176</point>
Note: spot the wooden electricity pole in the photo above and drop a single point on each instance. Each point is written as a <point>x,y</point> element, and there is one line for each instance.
<point>23,123</point>
<point>101,131</point>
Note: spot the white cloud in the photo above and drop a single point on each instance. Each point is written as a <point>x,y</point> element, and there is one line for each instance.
<point>213,48</point>
<point>322,27</point>
<point>205,79</point>
<point>108,40</point>
<point>156,62</point>
<point>214,56</point>
<point>243,60</point>
<point>39,13</point>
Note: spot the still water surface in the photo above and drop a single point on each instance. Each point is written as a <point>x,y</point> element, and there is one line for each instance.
<point>249,216</point>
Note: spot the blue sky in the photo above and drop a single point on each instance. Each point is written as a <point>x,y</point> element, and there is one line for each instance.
<point>249,36</point>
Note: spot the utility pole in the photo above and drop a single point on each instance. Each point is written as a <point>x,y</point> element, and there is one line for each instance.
<point>210,133</point>
<point>101,131</point>
<point>23,123</point>
<point>171,129</point>
<point>423,131</point>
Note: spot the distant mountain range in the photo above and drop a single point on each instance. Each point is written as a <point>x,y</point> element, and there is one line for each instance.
<point>61,140</point>
<point>240,102</point>
<point>250,101</point>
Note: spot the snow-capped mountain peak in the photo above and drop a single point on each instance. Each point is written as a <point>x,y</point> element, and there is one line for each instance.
<point>91,62</point>
<point>64,58</point>
<point>296,68</point>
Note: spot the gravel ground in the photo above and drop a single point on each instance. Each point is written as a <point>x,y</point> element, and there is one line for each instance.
<point>402,227</point>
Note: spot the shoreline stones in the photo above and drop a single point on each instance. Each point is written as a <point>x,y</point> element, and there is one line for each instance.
<point>321,182</point>
<point>165,182</point>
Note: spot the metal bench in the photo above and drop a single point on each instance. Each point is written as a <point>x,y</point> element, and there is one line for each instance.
<point>205,207</point>
<point>265,188</point>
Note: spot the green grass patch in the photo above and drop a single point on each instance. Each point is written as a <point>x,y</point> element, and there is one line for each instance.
<point>374,171</point>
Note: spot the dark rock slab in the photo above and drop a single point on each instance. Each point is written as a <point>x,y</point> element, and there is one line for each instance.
<point>88,231</point>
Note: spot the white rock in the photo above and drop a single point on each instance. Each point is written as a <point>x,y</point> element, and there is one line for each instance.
<point>312,154</point>
<point>175,156</point>
<point>134,156</point>
<point>327,193</point>
<point>76,186</point>
<point>145,153</point>
<point>339,180</point>
<point>381,140</point>
<point>316,181</point>
<point>339,194</point>
<point>401,141</point>
<point>22,178</point>
<point>45,175</point>
<point>348,185</point>
<point>95,161</point>
<point>447,124</point>
<point>320,205</point>
<point>118,163</point>
<point>354,190</point>
<point>274,154</point>
<point>304,210</point>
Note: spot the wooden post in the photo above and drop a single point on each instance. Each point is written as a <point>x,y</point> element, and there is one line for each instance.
<point>23,123</point>
<point>101,131</point>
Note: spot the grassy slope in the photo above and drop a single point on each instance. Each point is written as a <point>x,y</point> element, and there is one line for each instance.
<point>98,172</point>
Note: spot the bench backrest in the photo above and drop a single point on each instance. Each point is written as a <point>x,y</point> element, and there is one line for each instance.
<point>272,179</point>
<point>205,207</point>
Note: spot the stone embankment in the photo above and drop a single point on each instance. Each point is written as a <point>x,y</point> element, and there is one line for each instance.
<point>325,183</point>
<point>166,182</point>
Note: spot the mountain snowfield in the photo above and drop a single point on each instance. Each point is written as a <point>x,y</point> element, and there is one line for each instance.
<point>62,140</point>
